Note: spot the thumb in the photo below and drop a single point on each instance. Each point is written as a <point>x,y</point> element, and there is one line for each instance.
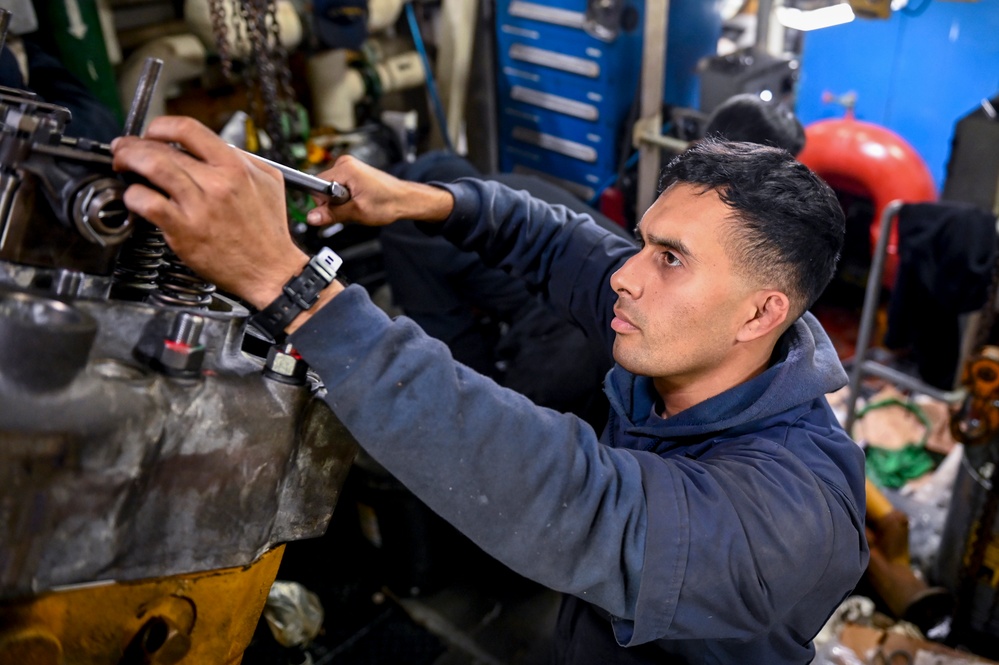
<point>320,216</point>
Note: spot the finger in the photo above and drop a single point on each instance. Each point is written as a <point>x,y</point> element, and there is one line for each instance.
<point>153,206</point>
<point>165,167</point>
<point>194,137</point>
<point>320,216</point>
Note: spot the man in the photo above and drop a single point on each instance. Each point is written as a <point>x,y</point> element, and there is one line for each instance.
<point>720,517</point>
<point>458,299</point>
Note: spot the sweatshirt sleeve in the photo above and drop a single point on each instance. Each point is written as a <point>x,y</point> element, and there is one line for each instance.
<point>533,487</point>
<point>565,256</point>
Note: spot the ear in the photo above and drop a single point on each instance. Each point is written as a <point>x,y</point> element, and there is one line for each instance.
<point>770,311</point>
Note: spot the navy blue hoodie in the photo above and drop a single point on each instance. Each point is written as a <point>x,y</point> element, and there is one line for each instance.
<point>727,533</point>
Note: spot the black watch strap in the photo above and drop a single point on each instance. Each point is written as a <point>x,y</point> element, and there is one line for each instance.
<point>298,295</point>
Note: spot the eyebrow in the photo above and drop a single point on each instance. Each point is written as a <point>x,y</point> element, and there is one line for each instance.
<point>671,244</point>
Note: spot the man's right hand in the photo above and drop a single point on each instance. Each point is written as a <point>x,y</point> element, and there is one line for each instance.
<point>377,198</point>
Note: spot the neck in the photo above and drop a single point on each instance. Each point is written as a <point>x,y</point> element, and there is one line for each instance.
<point>679,393</point>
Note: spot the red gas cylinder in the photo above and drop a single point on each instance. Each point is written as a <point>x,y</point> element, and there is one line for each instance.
<point>871,161</point>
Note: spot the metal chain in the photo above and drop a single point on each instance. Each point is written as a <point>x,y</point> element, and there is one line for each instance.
<point>277,100</point>
<point>281,60</point>
<point>248,12</point>
<point>220,29</point>
<point>270,94</point>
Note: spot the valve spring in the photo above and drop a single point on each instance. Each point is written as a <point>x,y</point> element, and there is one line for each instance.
<point>178,285</point>
<point>139,263</point>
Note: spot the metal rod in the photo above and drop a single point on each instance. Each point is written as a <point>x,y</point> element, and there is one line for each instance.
<point>870,309</point>
<point>763,9</point>
<point>334,191</point>
<point>143,96</point>
<point>667,142</point>
<point>651,95</point>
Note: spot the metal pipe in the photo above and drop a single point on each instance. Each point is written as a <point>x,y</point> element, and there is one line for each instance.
<point>670,143</point>
<point>870,308</point>
<point>655,41</point>
<point>763,11</point>
<point>143,96</point>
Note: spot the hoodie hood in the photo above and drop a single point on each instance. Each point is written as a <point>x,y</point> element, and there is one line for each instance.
<point>806,368</point>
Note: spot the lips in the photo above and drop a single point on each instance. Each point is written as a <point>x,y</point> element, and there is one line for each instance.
<point>621,323</point>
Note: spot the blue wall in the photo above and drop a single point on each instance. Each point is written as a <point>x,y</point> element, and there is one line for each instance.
<point>915,74</point>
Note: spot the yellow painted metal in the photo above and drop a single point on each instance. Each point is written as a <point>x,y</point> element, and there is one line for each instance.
<point>201,618</point>
<point>878,505</point>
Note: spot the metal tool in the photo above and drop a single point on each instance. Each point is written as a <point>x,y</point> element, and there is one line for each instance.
<point>334,191</point>
<point>143,96</point>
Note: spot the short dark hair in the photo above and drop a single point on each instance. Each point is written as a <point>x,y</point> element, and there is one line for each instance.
<point>746,117</point>
<point>788,226</point>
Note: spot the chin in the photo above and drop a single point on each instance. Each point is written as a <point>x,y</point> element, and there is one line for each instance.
<point>628,361</point>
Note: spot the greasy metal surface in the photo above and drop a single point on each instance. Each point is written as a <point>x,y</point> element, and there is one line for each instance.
<point>204,618</point>
<point>128,473</point>
<point>147,448</point>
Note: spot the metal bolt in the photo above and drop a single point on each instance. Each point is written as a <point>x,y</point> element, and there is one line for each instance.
<point>181,353</point>
<point>283,364</point>
<point>67,283</point>
<point>187,329</point>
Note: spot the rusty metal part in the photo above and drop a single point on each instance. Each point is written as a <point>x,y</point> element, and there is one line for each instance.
<point>977,420</point>
<point>206,617</point>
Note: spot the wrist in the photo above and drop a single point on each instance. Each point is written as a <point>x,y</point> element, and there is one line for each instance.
<point>271,285</point>
<point>325,296</point>
<point>298,295</point>
<point>426,203</point>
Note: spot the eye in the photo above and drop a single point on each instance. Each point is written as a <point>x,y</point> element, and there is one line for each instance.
<point>670,259</point>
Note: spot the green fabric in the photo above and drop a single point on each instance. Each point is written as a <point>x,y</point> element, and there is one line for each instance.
<point>894,468</point>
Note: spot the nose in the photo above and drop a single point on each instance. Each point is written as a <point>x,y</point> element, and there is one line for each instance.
<point>626,279</point>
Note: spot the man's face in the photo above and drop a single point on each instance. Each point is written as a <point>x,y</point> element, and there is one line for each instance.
<point>681,300</point>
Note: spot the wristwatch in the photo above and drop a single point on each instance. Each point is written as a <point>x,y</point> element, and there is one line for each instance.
<point>298,295</point>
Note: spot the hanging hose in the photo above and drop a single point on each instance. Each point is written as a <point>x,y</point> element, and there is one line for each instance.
<point>414,28</point>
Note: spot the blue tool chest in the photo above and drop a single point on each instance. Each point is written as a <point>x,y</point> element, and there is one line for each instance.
<point>564,94</point>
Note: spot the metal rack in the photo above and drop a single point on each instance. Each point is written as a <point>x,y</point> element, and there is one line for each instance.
<point>862,366</point>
